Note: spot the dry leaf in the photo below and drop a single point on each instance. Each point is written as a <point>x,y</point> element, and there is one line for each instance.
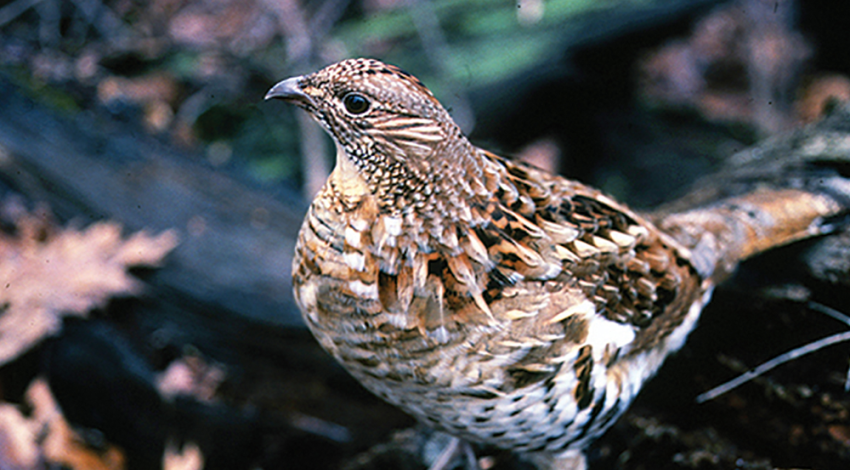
<point>59,444</point>
<point>47,272</point>
<point>45,439</point>
<point>192,376</point>
<point>739,64</point>
<point>187,458</point>
<point>820,93</point>
<point>18,448</point>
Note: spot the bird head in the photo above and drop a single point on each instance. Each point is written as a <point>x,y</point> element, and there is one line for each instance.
<point>385,122</point>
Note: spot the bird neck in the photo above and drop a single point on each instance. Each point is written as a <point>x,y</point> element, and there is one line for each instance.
<point>348,182</point>
<point>431,196</point>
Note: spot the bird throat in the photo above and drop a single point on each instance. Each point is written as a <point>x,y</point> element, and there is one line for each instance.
<point>350,185</point>
<point>428,204</point>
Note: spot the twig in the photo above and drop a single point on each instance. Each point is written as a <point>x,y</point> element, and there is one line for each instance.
<point>828,311</point>
<point>436,48</point>
<point>15,9</point>
<point>838,316</point>
<point>102,19</point>
<point>789,356</point>
<point>48,27</point>
<point>320,427</point>
<point>300,51</point>
<point>781,359</point>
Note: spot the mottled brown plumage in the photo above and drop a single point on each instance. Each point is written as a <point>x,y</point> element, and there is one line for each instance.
<point>488,298</point>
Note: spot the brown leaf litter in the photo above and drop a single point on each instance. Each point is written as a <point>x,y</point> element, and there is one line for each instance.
<point>47,272</point>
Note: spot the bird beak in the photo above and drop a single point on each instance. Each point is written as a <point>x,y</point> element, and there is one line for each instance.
<point>290,90</point>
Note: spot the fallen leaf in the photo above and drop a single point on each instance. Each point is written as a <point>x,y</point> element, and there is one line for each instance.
<point>821,93</point>
<point>840,433</point>
<point>187,458</point>
<point>44,439</point>
<point>58,443</point>
<point>48,272</point>
<point>191,375</point>
<point>18,448</point>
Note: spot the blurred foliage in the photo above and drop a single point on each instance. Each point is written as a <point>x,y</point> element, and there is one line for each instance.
<point>222,55</point>
<point>486,40</point>
<point>195,72</point>
<point>268,157</point>
<point>39,90</point>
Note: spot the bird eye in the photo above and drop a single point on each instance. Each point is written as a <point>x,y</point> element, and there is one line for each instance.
<point>355,103</point>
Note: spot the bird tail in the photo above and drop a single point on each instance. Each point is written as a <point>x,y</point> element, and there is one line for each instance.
<point>723,234</point>
<point>785,190</point>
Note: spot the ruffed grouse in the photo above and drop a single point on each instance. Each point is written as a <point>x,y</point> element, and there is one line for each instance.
<point>490,299</point>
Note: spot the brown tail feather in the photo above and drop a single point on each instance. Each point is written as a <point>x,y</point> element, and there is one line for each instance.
<point>724,233</point>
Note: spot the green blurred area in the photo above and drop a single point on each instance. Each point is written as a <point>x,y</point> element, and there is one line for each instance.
<point>453,46</point>
<point>456,47</point>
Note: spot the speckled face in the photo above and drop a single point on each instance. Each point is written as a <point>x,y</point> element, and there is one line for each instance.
<point>364,104</point>
<point>390,128</point>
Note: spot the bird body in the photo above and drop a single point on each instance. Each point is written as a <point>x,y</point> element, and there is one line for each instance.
<point>490,299</point>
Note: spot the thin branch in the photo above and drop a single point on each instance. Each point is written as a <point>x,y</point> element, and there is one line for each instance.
<point>300,51</point>
<point>103,19</point>
<point>838,316</point>
<point>15,9</point>
<point>781,359</point>
<point>828,311</point>
<point>436,48</point>
<point>49,28</point>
